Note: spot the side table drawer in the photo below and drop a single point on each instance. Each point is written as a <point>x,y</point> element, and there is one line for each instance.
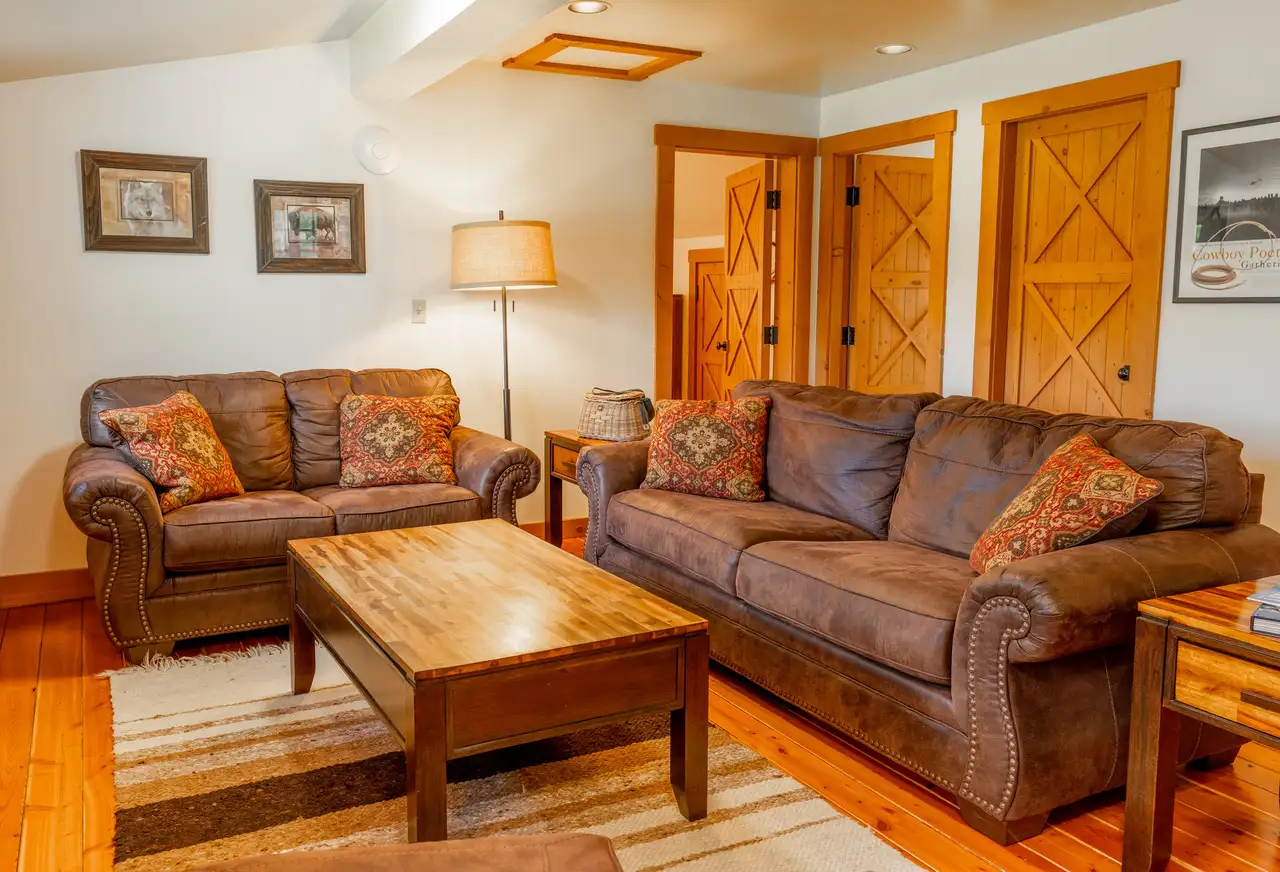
<point>1230,687</point>
<point>564,462</point>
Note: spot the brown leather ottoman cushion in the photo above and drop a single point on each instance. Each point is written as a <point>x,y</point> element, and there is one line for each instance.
<point>894,603</point>
<point>396,507</point>
<point>249,530</point>
<point>564,853</point>
<point>705,537</point>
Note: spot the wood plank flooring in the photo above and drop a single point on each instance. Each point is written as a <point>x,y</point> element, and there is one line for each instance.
<point>57,800</point>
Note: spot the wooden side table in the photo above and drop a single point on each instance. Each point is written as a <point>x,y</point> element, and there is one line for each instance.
<point>1195,657</point>
<point>561,458</point>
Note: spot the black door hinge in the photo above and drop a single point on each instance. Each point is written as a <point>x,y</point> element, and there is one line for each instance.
<point>846,335</point>
<point>852,195</point>
<point>771,336</point>
<point>773,199</point>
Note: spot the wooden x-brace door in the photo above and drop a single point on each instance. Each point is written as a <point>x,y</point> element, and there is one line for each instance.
<point>1082,315</point>
<point>748,273</point>
<point>897,314</point>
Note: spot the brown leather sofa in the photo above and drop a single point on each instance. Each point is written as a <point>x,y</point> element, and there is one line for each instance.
<point>219,567</point>
<point>849,594</point>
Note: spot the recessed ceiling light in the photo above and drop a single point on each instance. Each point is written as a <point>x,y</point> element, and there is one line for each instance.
<point>588,7</point>
<point>890,49</point>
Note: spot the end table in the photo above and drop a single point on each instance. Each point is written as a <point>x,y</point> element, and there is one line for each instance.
<point>561,458</point>
<point>1195,658</point>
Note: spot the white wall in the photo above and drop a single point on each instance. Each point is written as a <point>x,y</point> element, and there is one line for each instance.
<point>1219,364</point>
<point>575,151</point>
<point>700,191</point>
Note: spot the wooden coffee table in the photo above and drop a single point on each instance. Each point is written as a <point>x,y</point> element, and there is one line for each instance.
<point>470,637</point>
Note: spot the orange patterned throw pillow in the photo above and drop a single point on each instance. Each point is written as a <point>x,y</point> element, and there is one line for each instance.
<point>1082,493</point>
<point>174,445</point>
<point>397,440</point>
<point>709,449</point>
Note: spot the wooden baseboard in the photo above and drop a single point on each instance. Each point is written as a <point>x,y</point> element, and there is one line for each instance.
<point>39,588</point>
<point>574,528</point>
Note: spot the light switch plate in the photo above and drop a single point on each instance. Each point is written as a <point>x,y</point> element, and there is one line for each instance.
<point>419,311</point>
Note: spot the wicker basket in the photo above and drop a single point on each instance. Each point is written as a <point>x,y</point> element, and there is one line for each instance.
<point>615,416</point>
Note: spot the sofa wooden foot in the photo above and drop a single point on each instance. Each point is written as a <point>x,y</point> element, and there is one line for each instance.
<point>1003,832</point>
<point>1215,761</point>
<point>138,654</point>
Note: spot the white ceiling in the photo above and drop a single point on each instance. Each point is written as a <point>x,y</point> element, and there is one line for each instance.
<point>822,47</point>
<point>812,47</point>
<point>51,37</point>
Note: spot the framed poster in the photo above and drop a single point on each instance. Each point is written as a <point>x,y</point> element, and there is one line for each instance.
<point>144,202</point>
<point>309,227</point>
<point>1229,214</point>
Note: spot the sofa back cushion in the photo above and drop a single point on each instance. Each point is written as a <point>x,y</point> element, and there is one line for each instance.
<point>970,457</point>
<point>835,452</point>
<point>248,410</point>
<point>314,398</point>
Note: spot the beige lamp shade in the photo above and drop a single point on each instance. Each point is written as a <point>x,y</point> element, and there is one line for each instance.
<point>489,255</point>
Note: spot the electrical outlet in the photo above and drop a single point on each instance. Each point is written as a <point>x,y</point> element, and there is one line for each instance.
<point>419,312</point>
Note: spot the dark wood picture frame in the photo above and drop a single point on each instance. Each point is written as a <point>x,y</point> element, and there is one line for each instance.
<point>1178,296</point>
<point>268,262</point>
<point>95,239</point>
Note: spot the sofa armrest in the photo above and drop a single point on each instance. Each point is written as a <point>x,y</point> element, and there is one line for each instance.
<point>114,504</point>
<point>603,471</point>
<point>501,472</point>
<point>1086,598</point>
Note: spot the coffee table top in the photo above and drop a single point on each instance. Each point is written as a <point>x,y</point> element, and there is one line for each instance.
<point>461,598</point>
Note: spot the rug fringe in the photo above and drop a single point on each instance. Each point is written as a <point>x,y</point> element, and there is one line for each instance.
<point>166,663</point>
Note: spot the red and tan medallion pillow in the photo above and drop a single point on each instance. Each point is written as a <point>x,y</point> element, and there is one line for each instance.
<point>1082,493</point>
<point>174,445</point>
<point>397,440</point>
<point>708,448</point>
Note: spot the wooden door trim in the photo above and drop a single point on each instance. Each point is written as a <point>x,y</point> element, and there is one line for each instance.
<point>795,157</point>
<point>693,365</point>
<point>835,228</point>
<point>1000,118</point>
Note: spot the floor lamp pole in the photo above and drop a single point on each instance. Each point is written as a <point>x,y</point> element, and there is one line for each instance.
<point>506,384</point>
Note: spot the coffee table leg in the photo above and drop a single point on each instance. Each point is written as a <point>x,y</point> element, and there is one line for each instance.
<point>302,643</point>
<point>425,756</point>
<point>689,732</point>
<point>1153,749</point>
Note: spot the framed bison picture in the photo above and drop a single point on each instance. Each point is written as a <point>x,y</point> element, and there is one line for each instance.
<point>144,202</point>
<point>309,227</point>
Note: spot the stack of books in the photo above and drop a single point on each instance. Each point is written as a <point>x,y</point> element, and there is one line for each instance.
<point>1266,618</point>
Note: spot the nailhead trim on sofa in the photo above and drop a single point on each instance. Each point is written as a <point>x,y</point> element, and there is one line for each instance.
<point>1006,717</point>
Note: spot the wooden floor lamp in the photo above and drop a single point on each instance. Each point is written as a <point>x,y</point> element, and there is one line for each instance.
<point>503,256</point>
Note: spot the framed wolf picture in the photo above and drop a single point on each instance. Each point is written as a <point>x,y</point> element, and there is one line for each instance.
<point>1228,250</point>
<point>144,202</point>
<point>309,227</point>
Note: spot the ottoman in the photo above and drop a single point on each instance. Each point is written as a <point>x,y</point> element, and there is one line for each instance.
<point>560,853</point>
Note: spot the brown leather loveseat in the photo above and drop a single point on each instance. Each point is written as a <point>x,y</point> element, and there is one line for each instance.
<point>219,567</point>
<point>849,592</point>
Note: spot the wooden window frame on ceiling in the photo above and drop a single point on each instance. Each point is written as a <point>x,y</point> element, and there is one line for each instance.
<point>1001,118</point>
<point>538,58</point>
<point>795,157</point>
<point>835,229</point>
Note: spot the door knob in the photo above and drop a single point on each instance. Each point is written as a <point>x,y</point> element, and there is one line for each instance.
<point>722,346</point>
<point>1123,373</point>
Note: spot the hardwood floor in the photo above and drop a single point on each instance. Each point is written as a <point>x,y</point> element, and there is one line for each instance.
<point>56,794</point>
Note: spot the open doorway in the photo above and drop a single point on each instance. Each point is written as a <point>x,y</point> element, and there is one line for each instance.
<point>733,233</point>
<point>713,191</point>
<point>882,268</point>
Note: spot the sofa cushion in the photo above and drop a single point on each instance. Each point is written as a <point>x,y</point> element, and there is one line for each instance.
<point>705,537</point>
<point>836,452</point>
<point>396,507</point>
<point>248,409</point>
<point>249,530</point>
<point>396,440</point>
<point>969,458</point>
<point>174,445</point>
<point>314,397</point>
<point>709,448</point>
<point>888,601</point>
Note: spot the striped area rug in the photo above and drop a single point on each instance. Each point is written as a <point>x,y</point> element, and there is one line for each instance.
<point>214,759</point>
